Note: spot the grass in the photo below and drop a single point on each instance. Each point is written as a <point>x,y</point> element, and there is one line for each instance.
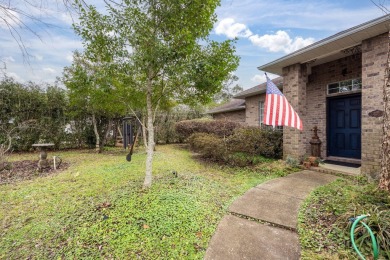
<point>97,209</point>
<point>326,217</point>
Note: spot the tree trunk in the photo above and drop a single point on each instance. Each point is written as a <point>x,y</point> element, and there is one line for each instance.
<point>167,129</point>
<point>144,135</point>
<point>150,144</point>
<point>95,130</point>
<point>108,131</point>
<point>115,131</point>
<point>384,182</point>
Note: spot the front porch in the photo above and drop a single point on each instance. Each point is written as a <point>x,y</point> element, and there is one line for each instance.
<point>337,85</point>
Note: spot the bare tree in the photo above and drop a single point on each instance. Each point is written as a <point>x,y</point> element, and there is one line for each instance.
<point>19,16</point>
<point>384,181</point>
<point>9,133</point>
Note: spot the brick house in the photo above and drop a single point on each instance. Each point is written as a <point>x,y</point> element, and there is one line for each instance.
<point>336,84</point>
<point>234,110</point>
<point>246,107</point>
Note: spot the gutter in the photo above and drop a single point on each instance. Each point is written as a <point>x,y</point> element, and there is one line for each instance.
<point>328,40</point>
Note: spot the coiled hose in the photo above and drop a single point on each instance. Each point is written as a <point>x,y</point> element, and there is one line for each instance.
<point>373,240</point>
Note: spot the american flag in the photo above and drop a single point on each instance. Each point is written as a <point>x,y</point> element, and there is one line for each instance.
<point>277,110</point>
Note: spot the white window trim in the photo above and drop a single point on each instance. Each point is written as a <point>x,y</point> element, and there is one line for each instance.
<point>261,113</point>
<point>261,117</point>
<point>341,90</point>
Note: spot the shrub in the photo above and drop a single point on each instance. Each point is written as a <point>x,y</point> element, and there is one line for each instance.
<point>327,215</point>
<point>292,162</point>
<point>256,141</point>
<point>165,122</point>
<point>247,146</point>
<point>209,145</point>
<point>221,128</point>
<point>34,113</point>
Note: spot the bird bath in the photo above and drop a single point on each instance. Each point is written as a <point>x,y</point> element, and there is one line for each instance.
<point>43,163</point>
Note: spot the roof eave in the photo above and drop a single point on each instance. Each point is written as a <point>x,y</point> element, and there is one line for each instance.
<point>309,53</point>
<point>226,110</point>
<point>249,94</point>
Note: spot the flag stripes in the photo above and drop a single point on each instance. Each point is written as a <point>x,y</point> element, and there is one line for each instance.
<point>277,110</point>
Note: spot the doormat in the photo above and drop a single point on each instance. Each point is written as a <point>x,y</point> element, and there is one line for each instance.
<point>352,165</point>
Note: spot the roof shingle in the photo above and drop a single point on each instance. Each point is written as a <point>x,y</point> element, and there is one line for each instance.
<point>259,89</point>
<point>238,101</point>
<point>232,105</point>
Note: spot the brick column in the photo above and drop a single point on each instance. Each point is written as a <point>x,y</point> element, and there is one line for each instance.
<point>294,88</point>
<point>374,62</point>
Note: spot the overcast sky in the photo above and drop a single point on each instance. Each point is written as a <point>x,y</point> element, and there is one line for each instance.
<point>266,30</point>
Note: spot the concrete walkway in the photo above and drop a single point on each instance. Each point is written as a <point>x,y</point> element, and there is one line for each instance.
<point>262,223</point>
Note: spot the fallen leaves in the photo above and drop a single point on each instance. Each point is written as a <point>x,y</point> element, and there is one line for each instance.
<point>145,226</point>
<point>26,170</point>
<point>103,206</point>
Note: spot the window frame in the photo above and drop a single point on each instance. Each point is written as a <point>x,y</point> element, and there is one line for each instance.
<point>261,118</point>
<point>261,113</point>
<point>344,86</point>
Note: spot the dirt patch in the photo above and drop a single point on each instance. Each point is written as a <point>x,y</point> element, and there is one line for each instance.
<point>26,170</point>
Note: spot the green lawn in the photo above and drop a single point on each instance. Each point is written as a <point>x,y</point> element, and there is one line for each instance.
<point>97,208</point>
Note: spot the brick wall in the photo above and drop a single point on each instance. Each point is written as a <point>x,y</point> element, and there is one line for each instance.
<point>236,116</point>
<point>321,75</point>
<point>252,109</point>
<point>294,88</point>
<point>370,66</point>
<point>374,56</point>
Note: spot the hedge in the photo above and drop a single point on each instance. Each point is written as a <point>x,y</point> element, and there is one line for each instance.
<point>257,141</point>
<point>221,128</point>
<point>209,145</point>
<point>246,146</point>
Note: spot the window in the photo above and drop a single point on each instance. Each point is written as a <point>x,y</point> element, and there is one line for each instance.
<point>345,86</point>
<point>261,112</point>
<point>261,118</point>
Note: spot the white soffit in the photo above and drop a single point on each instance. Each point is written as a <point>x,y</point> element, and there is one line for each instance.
<point>330,48</point>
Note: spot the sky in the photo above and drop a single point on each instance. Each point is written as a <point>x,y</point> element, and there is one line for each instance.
<point>265,30</point>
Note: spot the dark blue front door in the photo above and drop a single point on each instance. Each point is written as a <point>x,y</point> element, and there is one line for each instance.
<point>344,126</point>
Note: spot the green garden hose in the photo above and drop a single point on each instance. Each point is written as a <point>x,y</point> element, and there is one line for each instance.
<point>373,240</point>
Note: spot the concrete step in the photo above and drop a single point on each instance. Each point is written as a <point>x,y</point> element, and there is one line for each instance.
<point>238,238</point>
<point>262,223</point>
<point>277,201</point>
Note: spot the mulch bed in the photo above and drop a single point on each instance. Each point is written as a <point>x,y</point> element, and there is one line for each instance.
<point>26,170</point>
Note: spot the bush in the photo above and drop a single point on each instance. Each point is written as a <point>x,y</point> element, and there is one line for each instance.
<point>326,217</point>
<point>247,146</point>
<point>256,141</point>
<point>165,123</point>
<point>221,128</point>
<point>209,145</point>
<point>34,113</point>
